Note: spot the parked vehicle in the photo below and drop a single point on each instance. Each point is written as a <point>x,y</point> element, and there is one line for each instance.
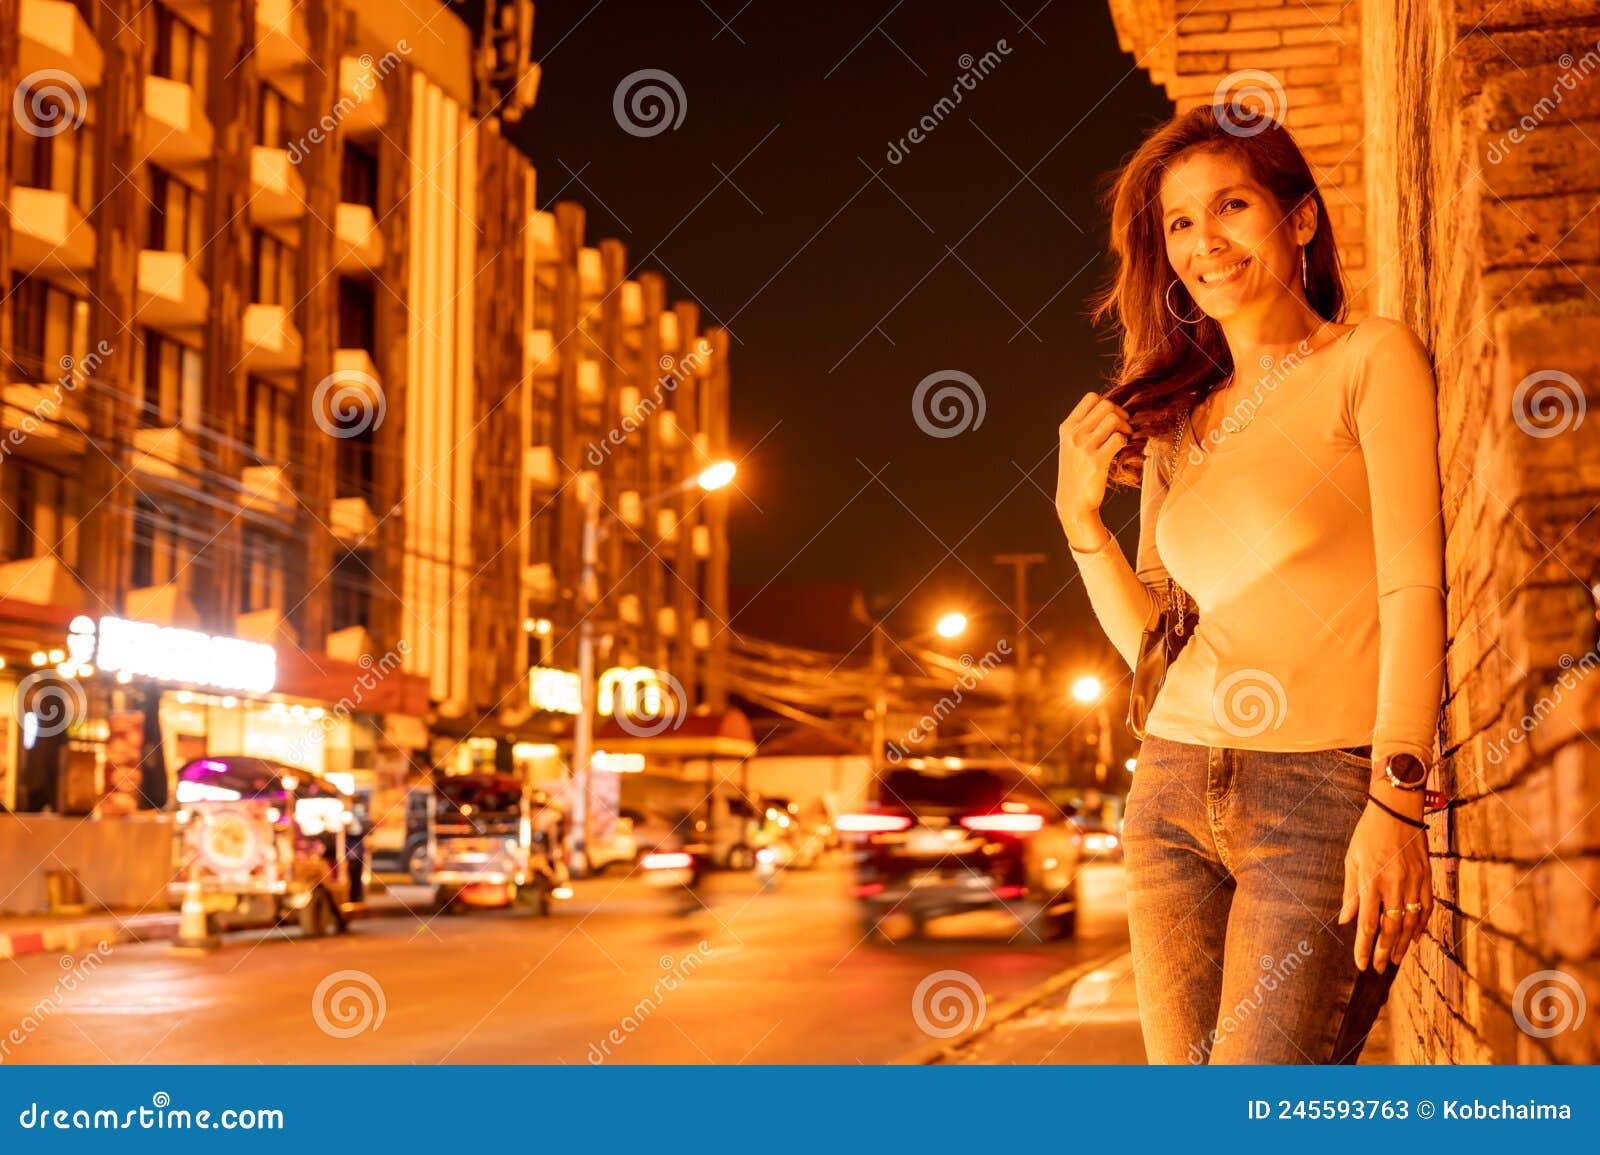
<point>265,842</point>
<point>940,841</point>
<point>1100,839</point>
<point>494,843</point>
<point>399,841</point>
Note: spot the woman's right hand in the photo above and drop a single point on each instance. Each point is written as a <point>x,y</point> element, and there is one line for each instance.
<point>1093,433</point>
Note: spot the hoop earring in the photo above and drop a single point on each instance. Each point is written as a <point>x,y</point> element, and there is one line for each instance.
<point>1305,275</point>
<point>1175,313</point>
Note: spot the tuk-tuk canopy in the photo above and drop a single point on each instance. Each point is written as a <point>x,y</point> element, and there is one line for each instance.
<point>230,777</point>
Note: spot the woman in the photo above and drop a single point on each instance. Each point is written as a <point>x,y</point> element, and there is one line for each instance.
<point>1277,865</point>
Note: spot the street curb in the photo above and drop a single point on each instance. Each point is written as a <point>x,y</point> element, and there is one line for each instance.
<point>941,1050</point>
<point>80,936</point>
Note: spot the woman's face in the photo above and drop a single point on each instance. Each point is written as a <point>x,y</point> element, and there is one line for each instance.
<point>1227,240</point>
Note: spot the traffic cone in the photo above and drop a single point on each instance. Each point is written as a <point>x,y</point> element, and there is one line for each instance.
<point>194,936</point>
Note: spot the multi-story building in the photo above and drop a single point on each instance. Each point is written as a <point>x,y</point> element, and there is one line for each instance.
<point>292,356</point>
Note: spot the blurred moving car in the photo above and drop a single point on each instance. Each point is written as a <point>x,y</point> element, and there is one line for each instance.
<point>798,842</point>
<point>940,840</point>
<point>1100,839</point>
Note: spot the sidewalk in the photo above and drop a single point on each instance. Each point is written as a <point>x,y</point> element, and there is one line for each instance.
<point>71,934</point>
<point>1095,1019</point>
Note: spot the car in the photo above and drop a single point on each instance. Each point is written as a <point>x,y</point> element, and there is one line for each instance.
<point>939,840</point>
<point>1100,839</point>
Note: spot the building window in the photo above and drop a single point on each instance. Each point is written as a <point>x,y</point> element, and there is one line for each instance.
<point>275,119</point>
<point>63,162</point>
<point>154,558</point>
<point>355,477</point>
<point>274,265</point>
<point>357,313</point>
<point>174,213</point>
<point>38,512</point>
<point>262,571</point>
<point>353,583</point>
<point>358,176</point>
<point>178,51</point>
<point>48,327</point>
<point>169,379</point>
<point>268,421</point>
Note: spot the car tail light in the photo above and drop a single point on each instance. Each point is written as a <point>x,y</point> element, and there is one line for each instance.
<point>1003,823</point>
<point>1010,891</point>
<point>668,860</point>
<point>872,823</point>
<point>868,889</point>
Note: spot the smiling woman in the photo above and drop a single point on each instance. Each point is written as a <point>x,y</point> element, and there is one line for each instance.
<point>1290,490</point>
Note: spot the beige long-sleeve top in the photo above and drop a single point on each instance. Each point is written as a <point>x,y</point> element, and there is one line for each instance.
<point>1312,542</point>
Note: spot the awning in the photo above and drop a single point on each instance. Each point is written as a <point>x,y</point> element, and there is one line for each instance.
<point>720,734</point>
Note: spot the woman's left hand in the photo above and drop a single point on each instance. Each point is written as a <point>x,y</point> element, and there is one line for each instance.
<point>1385,868</point>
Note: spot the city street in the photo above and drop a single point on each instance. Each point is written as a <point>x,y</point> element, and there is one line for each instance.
<point>783,977</point>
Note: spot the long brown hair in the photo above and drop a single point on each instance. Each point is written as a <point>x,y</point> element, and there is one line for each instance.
<point>1167,365</point>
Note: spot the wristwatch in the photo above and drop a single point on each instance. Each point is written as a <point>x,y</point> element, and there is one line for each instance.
<point>1405,771</point>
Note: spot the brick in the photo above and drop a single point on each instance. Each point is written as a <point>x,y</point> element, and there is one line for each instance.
<point>1529,163</point>
<point>1330,34</point>
<point>1573,929</point>
<point>1288,16</point>
<point>1273,59</point>
<point>1192,62</point>
<point>1228,41</point>
<point>1202,22</point>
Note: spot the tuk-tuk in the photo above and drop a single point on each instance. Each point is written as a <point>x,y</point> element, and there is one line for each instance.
<point>492,842</point>
<point>265,841</point>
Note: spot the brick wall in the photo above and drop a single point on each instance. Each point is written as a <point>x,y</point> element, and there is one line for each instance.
<point>1459,145</point>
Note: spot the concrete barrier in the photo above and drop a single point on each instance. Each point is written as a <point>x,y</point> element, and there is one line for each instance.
<point>121,863</point>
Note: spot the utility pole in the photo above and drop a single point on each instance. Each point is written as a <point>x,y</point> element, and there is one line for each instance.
<point>1022,699</point>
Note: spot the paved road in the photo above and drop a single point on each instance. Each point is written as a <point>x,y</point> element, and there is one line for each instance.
<point>613,976</point>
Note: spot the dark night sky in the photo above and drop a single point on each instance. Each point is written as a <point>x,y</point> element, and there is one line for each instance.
<point>843,289</point>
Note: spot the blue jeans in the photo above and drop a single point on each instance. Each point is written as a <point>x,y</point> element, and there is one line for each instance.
<point>1235,867</point>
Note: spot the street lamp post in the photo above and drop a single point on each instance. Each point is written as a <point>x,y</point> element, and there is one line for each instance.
<point>712,477</point>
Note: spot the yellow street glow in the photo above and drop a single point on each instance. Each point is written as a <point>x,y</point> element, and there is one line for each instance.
<point>716,476</point>
<point>951,625</point>
<point>1086,688</point>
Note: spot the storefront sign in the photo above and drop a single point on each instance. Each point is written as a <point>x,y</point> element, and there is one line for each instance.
<point>556,690</point>
<point>170,654</point>
<point>636,692</point>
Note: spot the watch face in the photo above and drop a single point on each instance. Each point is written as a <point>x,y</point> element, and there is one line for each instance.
<point>1408,769</point>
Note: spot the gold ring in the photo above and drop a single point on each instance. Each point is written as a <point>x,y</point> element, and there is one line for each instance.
<point>1395,912</point>
<point>1413,908</point>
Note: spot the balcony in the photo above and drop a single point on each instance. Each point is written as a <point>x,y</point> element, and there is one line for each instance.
<point>591,273</point>
<point>701,537</point>
<point>173,129</point>
<point>49,232</point>
<point>630,508</point>
<point>667,622</point>
<point>269,627</point>
<point>632,303</point>
<point>362,107</point>
<point>169,452</point>
<point>277,193</point>
<point>54,35</point>
<point>357,240</point>
<point>539,583</point>
<point>539,467</point>
<point>352,521</point>
<point>544,357</point>
<point>546,248</point>
<point>628,609</point>
<point>271,341</point>
<point>666,525</point>
<point>266,489</point>
<point>280,37</point>
<point>356,367</point>
<point>43,422</point>
<point>170,292</point>
<point>590,386</point>
<point>669,332</point>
